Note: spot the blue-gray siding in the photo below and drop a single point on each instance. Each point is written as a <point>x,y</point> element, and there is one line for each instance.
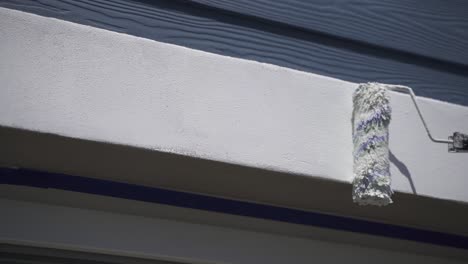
<point>432,28</point>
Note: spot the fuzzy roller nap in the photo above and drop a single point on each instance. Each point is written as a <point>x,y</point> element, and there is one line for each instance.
<point>371,117</point>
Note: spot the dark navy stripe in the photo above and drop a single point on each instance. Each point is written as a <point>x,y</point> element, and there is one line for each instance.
<point>41,179</point>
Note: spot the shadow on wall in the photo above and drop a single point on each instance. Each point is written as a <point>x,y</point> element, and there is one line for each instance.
<point>126,164</point>
<point>403,169</point>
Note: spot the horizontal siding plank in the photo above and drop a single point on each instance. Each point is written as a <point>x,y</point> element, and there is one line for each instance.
<point>434,28</point>
<point>173,22</point>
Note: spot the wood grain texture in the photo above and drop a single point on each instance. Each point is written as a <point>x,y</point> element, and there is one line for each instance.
<point>187,25</point>
<point>433,28</point>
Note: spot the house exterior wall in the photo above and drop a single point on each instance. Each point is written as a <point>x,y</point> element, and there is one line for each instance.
<point>285,131</point>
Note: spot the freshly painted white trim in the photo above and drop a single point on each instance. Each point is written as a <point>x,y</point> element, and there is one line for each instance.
<point>83,82</point>
<point>153,238</point>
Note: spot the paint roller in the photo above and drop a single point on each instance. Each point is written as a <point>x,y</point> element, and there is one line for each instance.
<point>370,120</point>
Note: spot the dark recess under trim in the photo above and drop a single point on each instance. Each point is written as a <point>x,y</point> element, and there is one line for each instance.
<point>40,179</point>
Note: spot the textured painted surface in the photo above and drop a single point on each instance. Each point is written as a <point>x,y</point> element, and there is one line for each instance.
<point>110,233</point>
<point>191,25</point>
<point>88,83</point>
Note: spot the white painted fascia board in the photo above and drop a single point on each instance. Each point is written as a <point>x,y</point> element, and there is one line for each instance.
<point>88,83</point>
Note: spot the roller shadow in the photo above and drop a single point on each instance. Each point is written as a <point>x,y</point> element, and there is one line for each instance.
<point>403,169</point>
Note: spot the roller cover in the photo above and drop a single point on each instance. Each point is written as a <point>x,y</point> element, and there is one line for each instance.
<point>371,117</point>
